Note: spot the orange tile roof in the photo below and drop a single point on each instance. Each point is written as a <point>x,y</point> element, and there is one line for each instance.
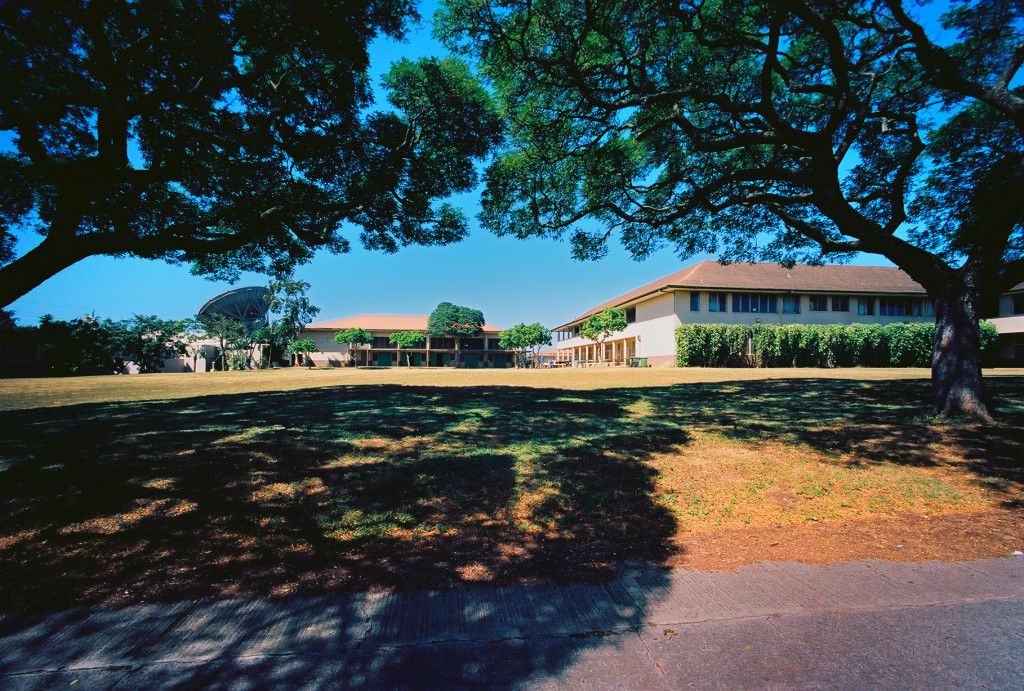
<point>831,278</point>
<point>384,322</point>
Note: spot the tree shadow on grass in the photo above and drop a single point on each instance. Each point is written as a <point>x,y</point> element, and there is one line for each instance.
<point>861,422</point>
<point>351,488</point>
<point>323,490</point>
<point>302,495</point>
<point>296,498</point>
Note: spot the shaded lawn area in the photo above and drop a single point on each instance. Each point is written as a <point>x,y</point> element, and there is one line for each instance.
<point>362,487</point>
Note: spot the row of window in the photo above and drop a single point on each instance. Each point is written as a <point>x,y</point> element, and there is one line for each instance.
<point>768,303</point>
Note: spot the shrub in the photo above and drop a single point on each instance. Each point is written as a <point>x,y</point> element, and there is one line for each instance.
<point>797,345</point>
<point>989,344</point>
<point>910,345</point>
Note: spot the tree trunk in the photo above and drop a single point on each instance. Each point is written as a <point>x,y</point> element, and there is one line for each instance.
<point>958,388</point>
<point>43,261</point>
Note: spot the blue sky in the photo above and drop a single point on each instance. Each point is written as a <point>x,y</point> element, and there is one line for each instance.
<point>510,280</point>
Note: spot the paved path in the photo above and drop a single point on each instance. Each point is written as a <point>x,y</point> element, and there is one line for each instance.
<point>779,625</point>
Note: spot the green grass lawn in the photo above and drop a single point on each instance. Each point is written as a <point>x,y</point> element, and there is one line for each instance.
<point>31,393</point>
<point>179,486</point>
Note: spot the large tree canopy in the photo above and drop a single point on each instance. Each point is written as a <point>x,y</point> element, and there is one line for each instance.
<point>236,135</point>
<point>788,130</point>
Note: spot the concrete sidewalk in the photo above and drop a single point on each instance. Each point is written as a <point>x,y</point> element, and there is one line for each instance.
<point>776,625</point>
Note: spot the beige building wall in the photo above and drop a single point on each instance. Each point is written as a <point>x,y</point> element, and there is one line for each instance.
<point>653,331</point>
<point>331,354</point>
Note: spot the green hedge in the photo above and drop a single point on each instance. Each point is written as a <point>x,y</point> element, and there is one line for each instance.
<point>796,345</point>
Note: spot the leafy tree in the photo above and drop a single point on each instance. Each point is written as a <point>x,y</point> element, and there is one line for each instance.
<point>353,338</point>
<point>232,335</point>
<point>455,321</point>
<point>304,347</point>
<point>523,339</point>
<point>146,341</point>
<point>77,347</point>
<point>233,135</point>
<point>406,339</point>
<point>275,337</point>
<point>193,333</point>
<point>7,321</point>
<point>789,131</point>
<point>600,326</point>
<point>289,300</point>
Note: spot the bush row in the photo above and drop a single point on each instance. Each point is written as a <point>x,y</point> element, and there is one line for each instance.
<point>799,345</point>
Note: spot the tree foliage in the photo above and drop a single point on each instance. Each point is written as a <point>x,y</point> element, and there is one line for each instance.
<point>600,326</point>
<point>900,344</point>
<point>455,321</point>
<point>523,339</point>
<point>90,346</point>
<point>77,347</point>
<point>146,341</point>
<point>233,337</point>
<point>291,305</point>
<point>7,320</point>
<point>234,136</point>
<point>304,346</point>
<point>353,338</point>
<point>791,131</point>
<point>407,339</point>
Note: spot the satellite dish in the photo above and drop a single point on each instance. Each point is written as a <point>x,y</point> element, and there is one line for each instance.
<point>249,305</point>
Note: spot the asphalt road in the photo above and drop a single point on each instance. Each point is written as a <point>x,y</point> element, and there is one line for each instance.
<point>862,624</point>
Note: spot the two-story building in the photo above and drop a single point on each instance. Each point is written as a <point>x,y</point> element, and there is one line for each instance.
<point>741,293</point>
<point>1009,320</point>
<point>479,351</point>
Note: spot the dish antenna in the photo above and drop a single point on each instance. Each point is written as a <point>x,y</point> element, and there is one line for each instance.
<point>248,305</point>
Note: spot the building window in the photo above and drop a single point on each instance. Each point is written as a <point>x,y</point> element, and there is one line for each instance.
<point>865,306</point>
<point>492,344</point>
<point>755,302</point>
<point>380,342</point>
<point>442,343</point>
<point>817,303</point>
<point>791,304</point>
<point>472,344</point>
<point>717,302</point>
<point>840,303</point>
<point>1018,303</point>
<point>630,315</point>
<point>694,302</point>
<point>899,307</point>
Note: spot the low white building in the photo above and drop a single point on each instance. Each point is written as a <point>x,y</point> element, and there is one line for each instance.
<point>741,293</point>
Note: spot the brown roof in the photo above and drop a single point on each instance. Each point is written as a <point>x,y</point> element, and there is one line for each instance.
<point>831,278</point>
<point>383,322</point>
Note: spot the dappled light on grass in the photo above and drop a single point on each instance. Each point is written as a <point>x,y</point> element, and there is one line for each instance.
<point>361,487</point>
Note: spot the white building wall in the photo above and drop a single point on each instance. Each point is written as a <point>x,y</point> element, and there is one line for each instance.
<point>654,330</point>
<point>658,316</point>
<point>805,316</point>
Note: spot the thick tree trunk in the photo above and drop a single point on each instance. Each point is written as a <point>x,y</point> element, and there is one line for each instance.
<point>45,260</point>
<point>956,362</point>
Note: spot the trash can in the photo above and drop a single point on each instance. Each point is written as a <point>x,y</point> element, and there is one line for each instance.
<point>634,362</point>
<point>642,362</point>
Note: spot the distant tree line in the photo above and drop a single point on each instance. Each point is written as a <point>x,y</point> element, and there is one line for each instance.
<point>88,345</point>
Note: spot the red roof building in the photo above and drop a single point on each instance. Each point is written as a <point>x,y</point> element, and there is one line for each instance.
<point>479,351</point>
